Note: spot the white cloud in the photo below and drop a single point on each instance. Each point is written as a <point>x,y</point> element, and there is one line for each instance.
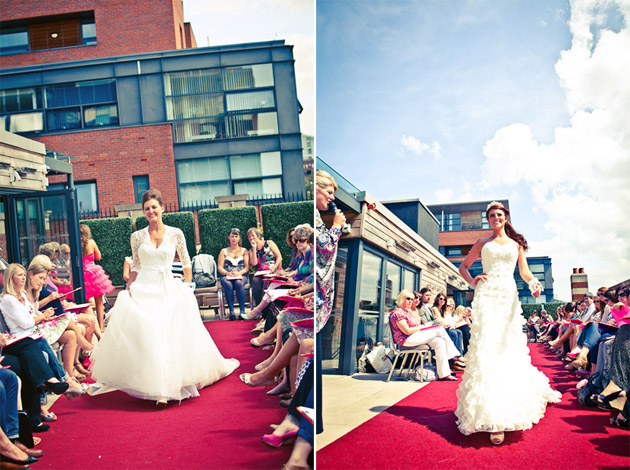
<point>580,181</point>
<point>417,147</point>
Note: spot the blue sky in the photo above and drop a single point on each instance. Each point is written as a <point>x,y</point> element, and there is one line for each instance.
<point>472,100</point>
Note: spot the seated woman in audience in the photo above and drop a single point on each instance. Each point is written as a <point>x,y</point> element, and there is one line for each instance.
<point>85,319</point>
<point>23,319</point>
<point>303,270</point>
<point>294,259</point>
<point>408,331</point>
<point>233,266</point>
<point>439,311</point>
<point>595,332</point>
<point>567,340</point>
<point>463,324</point>
<point>619,385</point>
<point>16,311</point>
<point>56,329</point>
<point>264,255</point>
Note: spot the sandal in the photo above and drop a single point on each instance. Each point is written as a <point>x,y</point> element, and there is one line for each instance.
<point>48,417</point>
<point>604,401</point>
<point>448,377</point>
<point>78,366</point>
<point>257,344</point>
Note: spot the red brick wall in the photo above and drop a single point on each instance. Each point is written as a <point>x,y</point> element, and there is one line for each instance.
<point>464,237</point>
<point>113,156</point>
<point>122,27</point>
<point>191,42</point>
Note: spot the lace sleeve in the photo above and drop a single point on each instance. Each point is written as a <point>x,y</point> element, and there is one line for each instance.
<point>180,246</point>
<point>136,241</point>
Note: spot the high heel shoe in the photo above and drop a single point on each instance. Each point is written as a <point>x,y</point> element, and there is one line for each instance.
<point>54,387</point>
<point>257,344</point>
<point>273,440</point>
<point>497,438</point>
<point>580,362</point>
<point>604,401</point>
<point>256,316</point>
<point>31,452</point>
<point>73,393</point>
<point>23,463</point>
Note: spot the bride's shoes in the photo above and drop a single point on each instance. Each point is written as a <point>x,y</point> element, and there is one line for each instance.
<point>497,438</point>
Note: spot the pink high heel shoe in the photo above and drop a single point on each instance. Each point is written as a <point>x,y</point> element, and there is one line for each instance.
<point>275,441</point>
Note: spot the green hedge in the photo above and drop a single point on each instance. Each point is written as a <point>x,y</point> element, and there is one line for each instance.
<point>277,219</point>
<point>112,237</point>
<point>185,221</point>
<point>550,307</point>
<point>215,223</point>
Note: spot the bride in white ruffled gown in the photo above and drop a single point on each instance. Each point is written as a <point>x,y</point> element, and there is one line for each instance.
<point>156,346</point>
<point>500,390</point>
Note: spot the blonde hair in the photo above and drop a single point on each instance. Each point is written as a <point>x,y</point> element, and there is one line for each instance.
<point>402,296</point>
<point>86,236</point>
<point>323,180</point>
<point>43,260</point>
<point>9,285</point>
<point>459,311</point>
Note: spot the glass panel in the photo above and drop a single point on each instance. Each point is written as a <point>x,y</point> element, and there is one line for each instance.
<point>248,125</point>
<point>193,82</point>
<point>409,280</point>
<point>199,129</point>
<point>29,122</point>
<point>245,166</point>
<point>88,33</point>
<point>86,197</point>
<point>101,116</point>
<point>203,169</point>
<point>392,286</point>
<point>369,301</point>
<point>252,100</point>
<point>271,163</point>
<point>140,185</point>
<point>69,94</point>
<point>484,222</point>
<point>3,122</point>
<point>272,186</point>
<point>21,99</point>
<point>13,41</point>
<point>331,333</point>
<point>249,76</point>
<point>64,119</point>
<point>253,188</point>
<point>453,222</point>
<point>183,107</point>
<point>197,193</point>
<point>58,96</point>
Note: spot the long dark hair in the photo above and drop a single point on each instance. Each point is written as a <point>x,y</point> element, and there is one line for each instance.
<point>509,229</point>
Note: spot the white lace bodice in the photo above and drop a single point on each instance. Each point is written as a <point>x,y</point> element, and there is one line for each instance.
<point>499,260</point>
<point>147,256</point>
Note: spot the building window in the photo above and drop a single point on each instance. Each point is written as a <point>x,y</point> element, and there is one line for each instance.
<point>453,251</point>
<point>369,301</point>
<point>484,222</point>
<point>87,196</point>
<point>452,222</point>
<point>35,34</point>
<point>140,185</point>
<point>13,41</point>
<point>202,109</point>
<point>203,179</point>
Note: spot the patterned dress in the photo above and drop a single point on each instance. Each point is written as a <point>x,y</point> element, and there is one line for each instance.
<point>327,241</point>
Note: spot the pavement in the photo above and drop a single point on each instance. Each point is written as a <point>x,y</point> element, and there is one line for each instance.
<point>349,401</point>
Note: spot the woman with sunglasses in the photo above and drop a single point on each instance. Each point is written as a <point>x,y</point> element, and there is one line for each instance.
<point>408,331</point>
<point>439,311</point>
<point>233,267</point>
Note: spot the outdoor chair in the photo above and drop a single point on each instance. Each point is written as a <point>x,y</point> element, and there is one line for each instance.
<point>408,358</point>
<point>222,300</point>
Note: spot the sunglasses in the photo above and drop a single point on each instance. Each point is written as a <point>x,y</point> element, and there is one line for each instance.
<point>622,294</point>
<point>301,240</point>
<point>234,230</point>
<point>408,298</point>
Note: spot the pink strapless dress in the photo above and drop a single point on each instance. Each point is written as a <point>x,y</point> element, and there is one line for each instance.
<point>96,281</point>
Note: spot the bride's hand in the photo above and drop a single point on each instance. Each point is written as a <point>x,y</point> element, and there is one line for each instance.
<point>480,277</point>
<point>536,291</point>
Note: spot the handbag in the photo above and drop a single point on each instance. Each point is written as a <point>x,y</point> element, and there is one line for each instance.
<point>380,360</point>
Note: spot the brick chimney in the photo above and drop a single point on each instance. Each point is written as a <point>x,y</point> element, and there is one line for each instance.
<point>579,283</point>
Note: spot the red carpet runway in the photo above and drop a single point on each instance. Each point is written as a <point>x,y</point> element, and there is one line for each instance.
<point>221,429</point>
<point>420,432</point>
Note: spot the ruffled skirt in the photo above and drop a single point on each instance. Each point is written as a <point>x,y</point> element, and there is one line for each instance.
<point>500,389</point>
<point>96,280</point>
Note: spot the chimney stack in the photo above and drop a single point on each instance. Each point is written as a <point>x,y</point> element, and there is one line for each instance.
<point>579,283</point>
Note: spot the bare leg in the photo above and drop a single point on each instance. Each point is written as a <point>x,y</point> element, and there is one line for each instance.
<point>293,370</point>
<point>100,312</point>
<point>69,340</point>
<point>81,341</point>
<point>276,350</point>
<point>267,375</point>
<point>8,449</point>
<point>301,450</point>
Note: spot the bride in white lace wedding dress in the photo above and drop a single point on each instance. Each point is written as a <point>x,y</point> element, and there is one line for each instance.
<point>500,389</point>
<point>156,346</point>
